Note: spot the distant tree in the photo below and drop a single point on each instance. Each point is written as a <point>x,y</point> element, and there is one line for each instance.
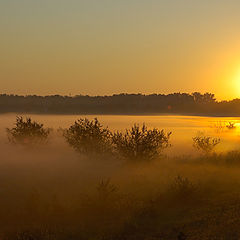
<point>105,189</point>
<point>179,103</point>
<point>209,98</point>
<point>205,144</point>
<point>89,137</point>
<point>203,98</point>
<point>139,143</point>
<point>27,132</point>
<point>197,96</point>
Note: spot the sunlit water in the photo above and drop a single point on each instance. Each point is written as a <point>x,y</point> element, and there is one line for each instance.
<point>183,128</point>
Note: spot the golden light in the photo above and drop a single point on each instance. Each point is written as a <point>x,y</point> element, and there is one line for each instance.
<point>236,83</point>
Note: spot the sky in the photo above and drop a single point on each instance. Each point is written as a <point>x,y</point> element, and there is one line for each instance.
<point>133,46</point>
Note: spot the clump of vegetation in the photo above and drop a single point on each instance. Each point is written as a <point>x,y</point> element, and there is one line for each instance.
<point>27,132</point>
<point>183,187</point>
<point>105,189</point>
<point>140,143</point>
<point>205,144</point>
<point>231,125</point>
<point>89,137</point>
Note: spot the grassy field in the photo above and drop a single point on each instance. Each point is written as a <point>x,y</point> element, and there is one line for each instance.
<point>49,191</point>
<point>53,193</point>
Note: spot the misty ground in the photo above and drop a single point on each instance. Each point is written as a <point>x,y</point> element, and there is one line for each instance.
<point>51,192</point>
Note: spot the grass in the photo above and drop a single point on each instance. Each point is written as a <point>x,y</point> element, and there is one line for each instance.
<point>159,200</point>
<point>53,193</point>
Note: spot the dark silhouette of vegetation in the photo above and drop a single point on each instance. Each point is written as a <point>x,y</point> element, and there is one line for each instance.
<point>69,202</point>
<point>27,132</point>
<point>205,144</point>
<point>105,189</point>
<point>140,143</point>
<point>175,103</point>
<point>183,188</point>
<point>89,137</point>
<point>231,125</point>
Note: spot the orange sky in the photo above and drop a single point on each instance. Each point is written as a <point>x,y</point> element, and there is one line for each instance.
<point>104,47</point>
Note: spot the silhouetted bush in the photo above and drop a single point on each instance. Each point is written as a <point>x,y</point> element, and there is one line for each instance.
<point>89,137</point>
<point>182,187</point>
<point>205,144</point>
<point>231,125</point>
<point>139,143</point>
<point>105,189</point>
<point>27,132</point>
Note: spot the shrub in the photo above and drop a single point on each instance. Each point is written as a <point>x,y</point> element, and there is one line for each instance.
<point>205,144</point>
<point>182,187</point>
<point>105,189</point>
<point>89,137</point>
<point>27,132</point>
<point>139,143</point>
<point>231,125</point>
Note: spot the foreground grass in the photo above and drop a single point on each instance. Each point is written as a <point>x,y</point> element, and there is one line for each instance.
<point>50,194</point>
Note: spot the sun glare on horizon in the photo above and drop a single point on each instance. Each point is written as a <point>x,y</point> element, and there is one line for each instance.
<point>236,83</point>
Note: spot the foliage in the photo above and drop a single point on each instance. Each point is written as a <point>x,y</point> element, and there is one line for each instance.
<point>183,187</point>
<point>231,125</point>
<point>105,189</point>
<point>139,143</point>
<point>205,144</point>
<point>27,132</point>
<point>205,98</point>
<point>89,137</point>
<point>179,103</point>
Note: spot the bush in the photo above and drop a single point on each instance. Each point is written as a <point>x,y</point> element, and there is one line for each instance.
<point>139,143</point>
<point>182,187</point>
<point>205,144</point>
<point>231,125</point>
<point>27,132</point>
<point>105,189</point>
<point>89,137</point>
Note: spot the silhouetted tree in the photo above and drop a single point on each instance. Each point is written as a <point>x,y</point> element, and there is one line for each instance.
<point>139,143</point>
<point>27,132</point>
<point>205,144</point>
<point>203,98</point>
<point>89,137</point>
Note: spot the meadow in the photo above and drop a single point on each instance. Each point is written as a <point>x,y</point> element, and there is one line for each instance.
<point>52,191</point>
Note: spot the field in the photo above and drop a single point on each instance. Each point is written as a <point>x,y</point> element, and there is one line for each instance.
<point>51,191</point>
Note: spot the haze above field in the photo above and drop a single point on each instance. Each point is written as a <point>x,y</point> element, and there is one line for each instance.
<point>105,47</point>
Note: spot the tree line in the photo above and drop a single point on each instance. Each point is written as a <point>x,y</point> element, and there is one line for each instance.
<point>175,103</point>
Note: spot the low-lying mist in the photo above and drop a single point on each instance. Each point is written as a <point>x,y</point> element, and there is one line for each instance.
<point>50,191</point>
